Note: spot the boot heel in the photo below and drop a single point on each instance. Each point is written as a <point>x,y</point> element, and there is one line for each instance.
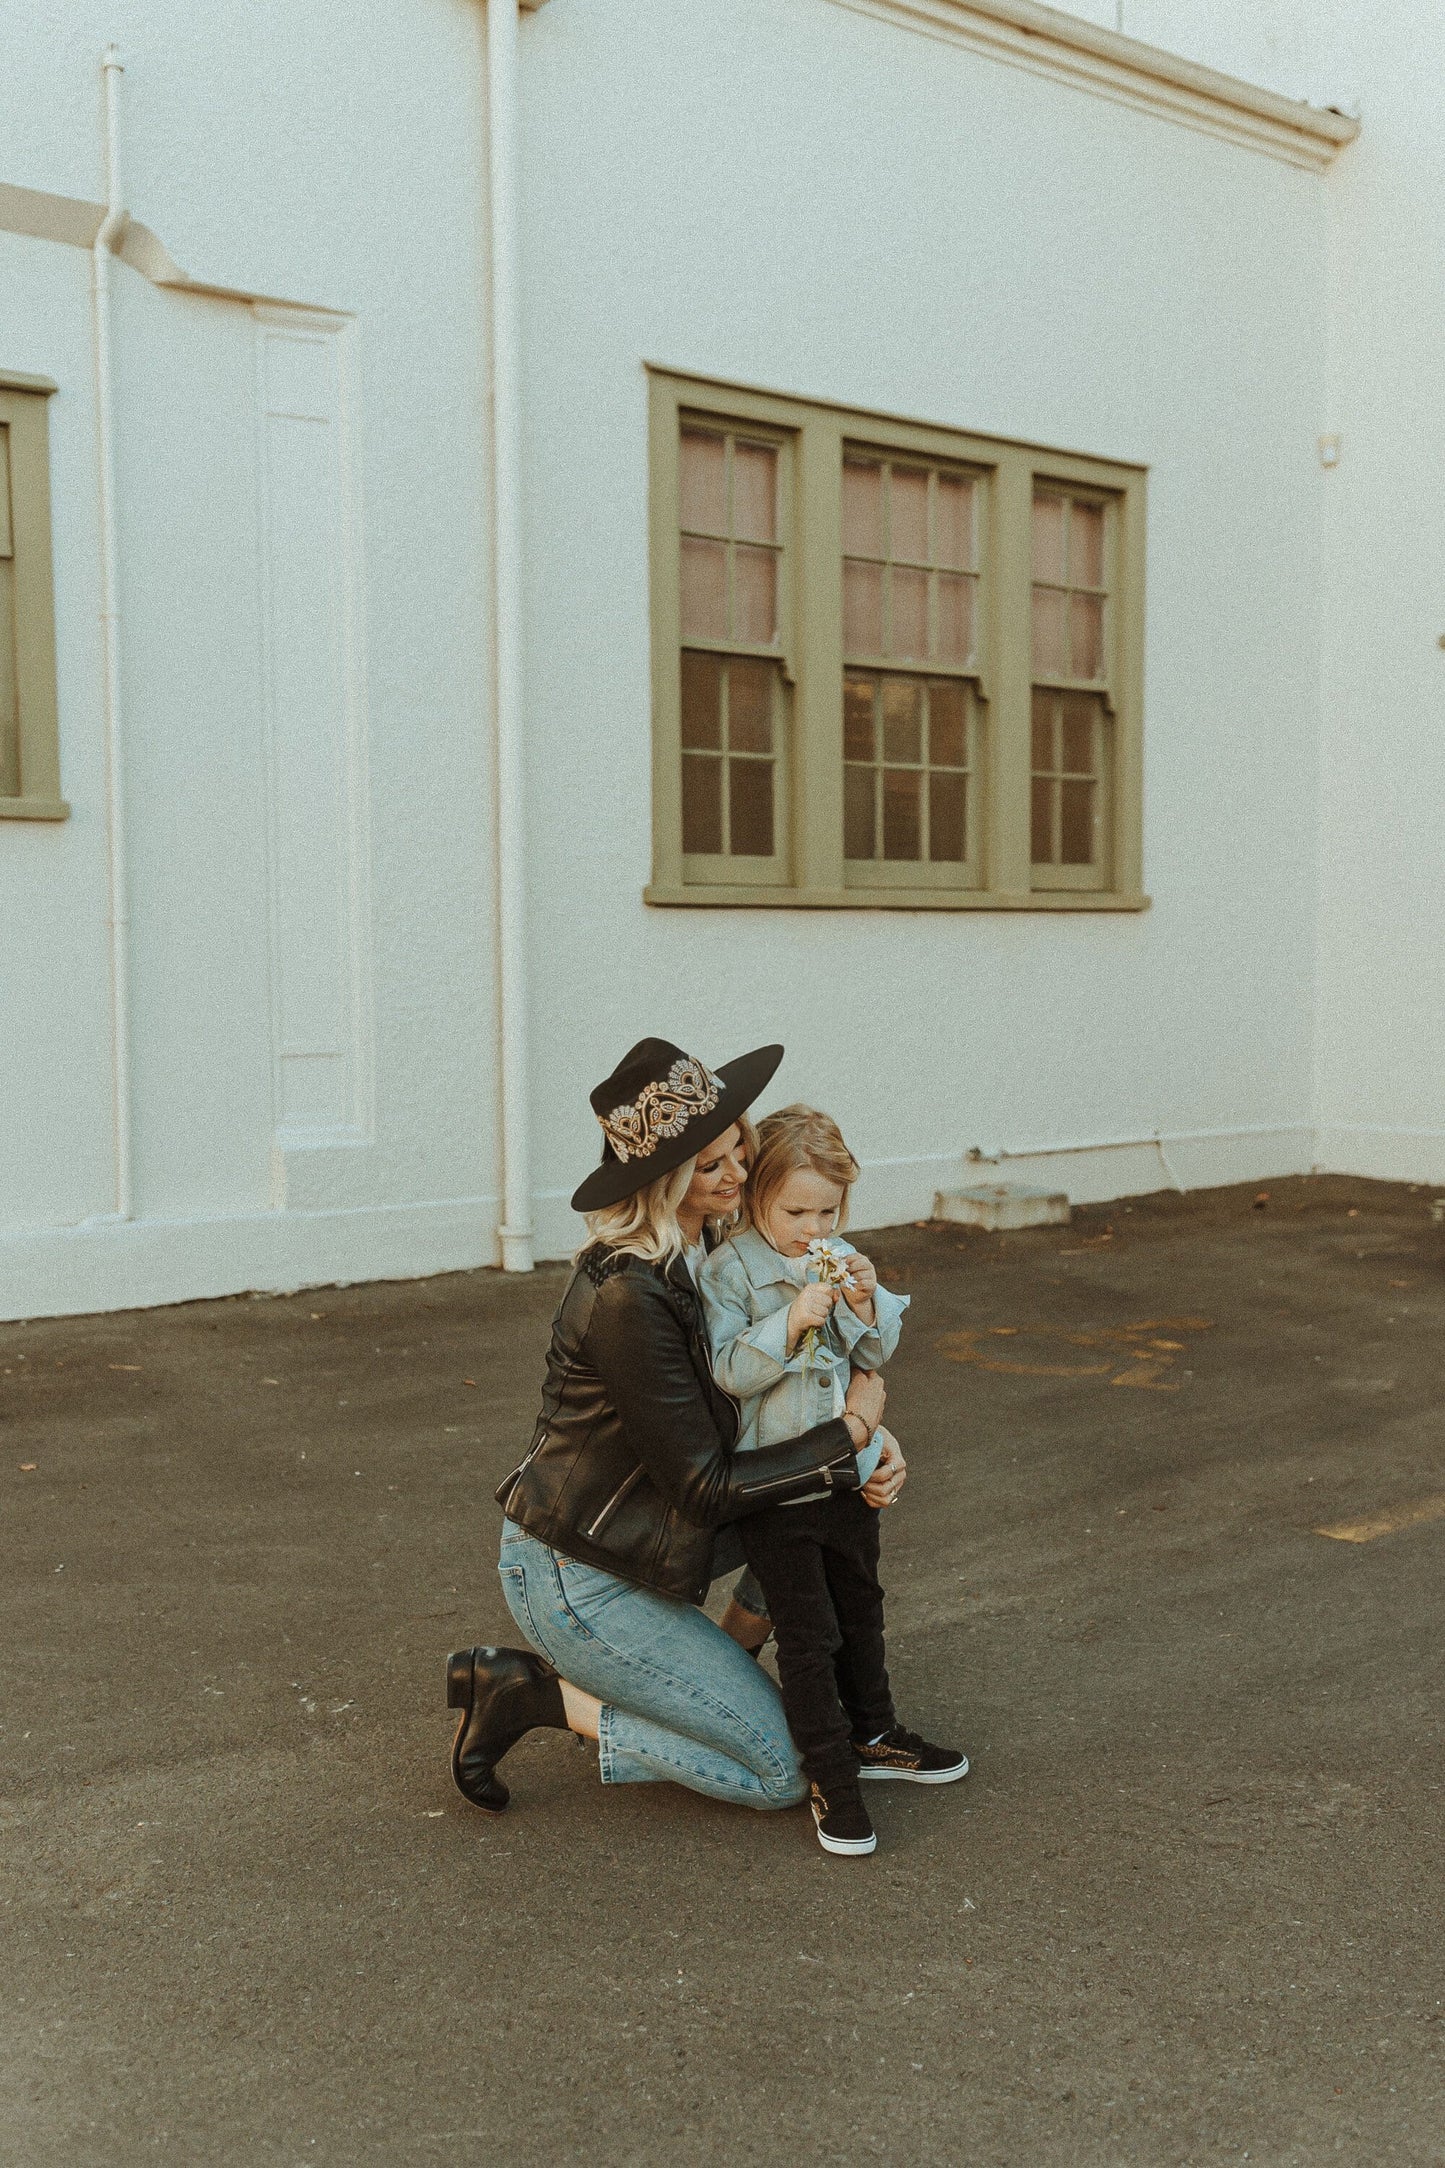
<point>459,1679</point>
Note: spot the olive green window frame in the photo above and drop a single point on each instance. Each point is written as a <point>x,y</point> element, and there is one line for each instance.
<point>29,714</point>
<point>1001,876</point>
<point>774,870</point>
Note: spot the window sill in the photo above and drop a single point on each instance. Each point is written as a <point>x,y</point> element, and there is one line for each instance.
<point>895,899</point>
<point>34,809</point>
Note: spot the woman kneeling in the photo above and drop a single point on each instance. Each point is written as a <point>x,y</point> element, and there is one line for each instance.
<point>611,1531</point>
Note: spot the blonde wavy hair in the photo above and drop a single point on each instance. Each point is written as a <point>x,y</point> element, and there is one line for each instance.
<point>646,1223</point>
<point>794,1137</point>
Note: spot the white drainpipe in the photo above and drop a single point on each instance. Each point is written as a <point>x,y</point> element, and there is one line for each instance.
<point>516,1227</point>
<point>107,241</point>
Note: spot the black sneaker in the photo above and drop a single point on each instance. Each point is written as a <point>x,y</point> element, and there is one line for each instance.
<point>903,1754</point>
<point>842,1823</point>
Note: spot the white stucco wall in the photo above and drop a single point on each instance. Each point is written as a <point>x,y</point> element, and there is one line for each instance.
<point>1381,993</point>
<point>791,195</point>
<point>1382,1007</point>
<point>335,158</point>
<point>781,192</point>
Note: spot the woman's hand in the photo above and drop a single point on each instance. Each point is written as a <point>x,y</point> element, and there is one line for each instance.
<point>809,1310</point>
<point>890,1475</point>
<point>859,1297</point>
<point>867,1400</point>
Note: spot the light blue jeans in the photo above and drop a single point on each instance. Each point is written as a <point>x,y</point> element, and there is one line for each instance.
<point>681,1702</point>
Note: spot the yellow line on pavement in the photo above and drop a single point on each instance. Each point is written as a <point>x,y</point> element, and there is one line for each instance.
<point>1385,1524</point>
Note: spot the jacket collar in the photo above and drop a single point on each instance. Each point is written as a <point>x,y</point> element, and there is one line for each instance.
<point>761,1262</point>
<point>678,1272</point>
<point>678,1278</point>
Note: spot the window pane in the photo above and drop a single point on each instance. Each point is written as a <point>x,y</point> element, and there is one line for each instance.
<point>1086,636</point>
<point>704,590</point>
<point>857,812</point>
<point>1049,632</point>
<point>863,507</point>
<point>1048,537</point>
<point>901,791</point>
<point>701,802</point>
<point>902,719</point>
<point>910,613</point>
<point>908,514</point>
<point>1076,826</point>
<point>750,808</point>
<point>755,492</point>
<point>955,617</point>
<point>755,596</point>
<point>947,740</point>
<point>1041,825</point>
<point>1079,736</point>
<point>701,700</point>
<point>955,522</point>
<point>1043,731</point>
<point>1086,545</point>
<point>702,482</point>
<point>858,718</point>
<point>750,707</point>
<point>862,608</point>
<point>946,803</point>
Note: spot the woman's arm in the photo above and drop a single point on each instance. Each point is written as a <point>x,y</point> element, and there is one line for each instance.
<point>642,1354</point>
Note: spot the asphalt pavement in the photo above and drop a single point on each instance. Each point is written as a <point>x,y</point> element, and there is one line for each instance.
<point>1186,1910</point>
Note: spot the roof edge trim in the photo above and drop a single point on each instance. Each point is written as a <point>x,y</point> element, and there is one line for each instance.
<point>1046,41</point>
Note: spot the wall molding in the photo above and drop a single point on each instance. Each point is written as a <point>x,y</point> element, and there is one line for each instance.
<point>1383,1153</point>
<point>108,1264</point>
<point>1105,63</point>
<point>74,223</point>
<point>893,1192</point>
<point>315,727</point>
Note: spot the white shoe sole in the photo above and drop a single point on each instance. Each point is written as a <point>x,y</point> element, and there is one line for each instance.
<point>852,1845</point>
<point>912,1776</point>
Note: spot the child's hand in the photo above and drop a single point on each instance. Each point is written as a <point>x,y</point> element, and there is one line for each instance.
<point>859,1297</point>
<point>808,1310</point>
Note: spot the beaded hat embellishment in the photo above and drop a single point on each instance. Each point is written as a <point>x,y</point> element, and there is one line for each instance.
<point>661,1109</point>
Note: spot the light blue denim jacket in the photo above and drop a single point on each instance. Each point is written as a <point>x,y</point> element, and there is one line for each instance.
<point>746,1291</point>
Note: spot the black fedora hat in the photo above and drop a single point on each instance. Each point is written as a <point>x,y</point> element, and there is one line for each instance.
<point>660,1107</point>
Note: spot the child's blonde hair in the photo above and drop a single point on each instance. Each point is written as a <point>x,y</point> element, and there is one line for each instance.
<point>796,1137</point>
<point>646,1223</point>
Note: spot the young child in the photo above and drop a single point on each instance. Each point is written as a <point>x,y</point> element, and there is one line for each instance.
<point>786,1330</point>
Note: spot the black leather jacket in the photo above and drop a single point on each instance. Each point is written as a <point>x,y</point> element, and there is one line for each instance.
<point>631,1466</point>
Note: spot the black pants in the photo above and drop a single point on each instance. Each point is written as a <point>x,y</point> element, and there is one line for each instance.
<point>818,1564</point>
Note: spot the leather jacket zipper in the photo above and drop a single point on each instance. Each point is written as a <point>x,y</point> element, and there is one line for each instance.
<point>782,1482</point>
<point>507,1487</point>
<point>623,1492</point>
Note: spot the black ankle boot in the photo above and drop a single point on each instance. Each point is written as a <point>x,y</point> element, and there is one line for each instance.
<point>502,1693</point>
